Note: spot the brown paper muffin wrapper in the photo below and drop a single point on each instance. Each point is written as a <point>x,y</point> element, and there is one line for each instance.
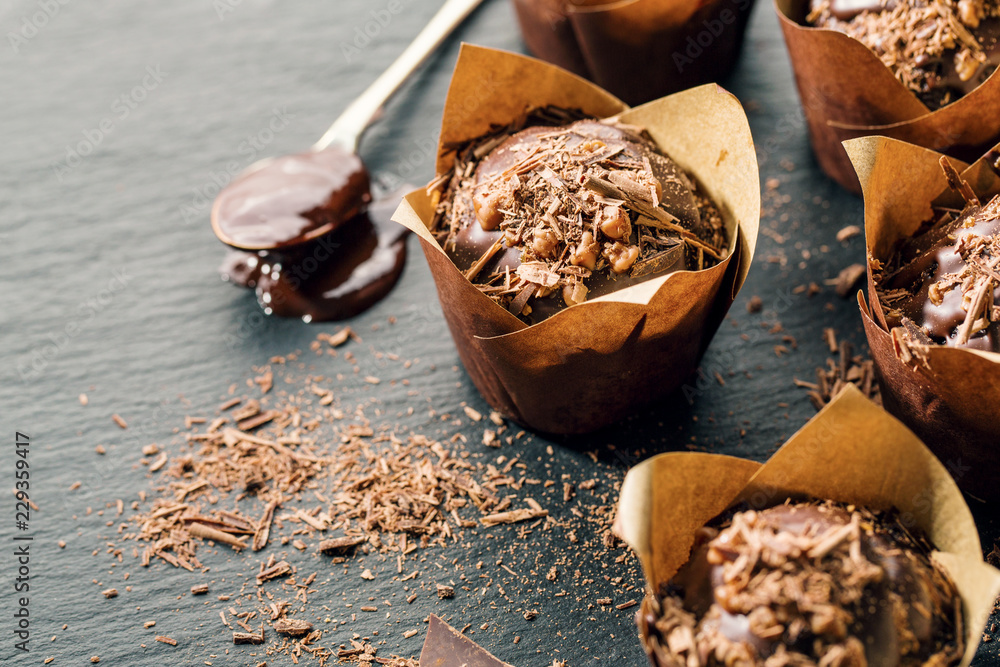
<point>847,92</point>
<point>851,452</point>
<point>950,397</point>
<point>592,364</point>
<point>637,49</point>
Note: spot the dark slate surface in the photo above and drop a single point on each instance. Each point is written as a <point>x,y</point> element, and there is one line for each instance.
<point>118,119</point>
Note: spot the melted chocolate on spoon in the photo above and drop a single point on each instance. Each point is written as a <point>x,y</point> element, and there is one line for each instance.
<point>292,199</point>
<point>333,277</point>
<point>319,255</point>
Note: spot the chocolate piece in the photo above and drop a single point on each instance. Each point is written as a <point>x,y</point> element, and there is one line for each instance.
<point>292,199</point>
<point>941,286</point>
<point>548,216</point>
<point>807,583</point>
<point>333,277</point>
<point>445,647</point>
<point>941,51</point>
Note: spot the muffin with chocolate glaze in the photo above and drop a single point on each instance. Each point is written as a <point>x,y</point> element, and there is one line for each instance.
<point>942,286</point>
<point>532,211</point>
<point>551,211</point>
<point>806,583</point>
<point>920,71</point>
<point>931,315</point>
<point>939,50</point>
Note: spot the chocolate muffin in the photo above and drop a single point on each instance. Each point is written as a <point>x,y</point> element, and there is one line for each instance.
<point>807,583</point>
<point>556,209</point>
<point>941,50</point>
<point>942,286</point>
<point>638,50</point>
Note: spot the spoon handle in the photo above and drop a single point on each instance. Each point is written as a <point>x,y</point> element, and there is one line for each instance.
<point>347,129</point>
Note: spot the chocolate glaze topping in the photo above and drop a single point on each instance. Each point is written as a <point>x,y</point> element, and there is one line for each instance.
<point>807,583</point>
<point>940,50</point>
<point>292,199</point>
<point>549,216</point>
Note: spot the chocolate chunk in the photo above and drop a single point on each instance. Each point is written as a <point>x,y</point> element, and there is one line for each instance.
<point>446,646</point>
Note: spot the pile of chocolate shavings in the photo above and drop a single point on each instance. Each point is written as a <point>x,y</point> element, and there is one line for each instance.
<point>978,279</point>
<point>913,38</point>
<point>300,468</point>
<point>559,202</point>
<point>789,588</point>
<point>847,369</point>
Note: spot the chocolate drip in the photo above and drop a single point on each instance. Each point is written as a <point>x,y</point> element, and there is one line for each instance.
<point>333,277</point>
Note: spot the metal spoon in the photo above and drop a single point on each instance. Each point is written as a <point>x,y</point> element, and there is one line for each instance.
<point>285,201</point>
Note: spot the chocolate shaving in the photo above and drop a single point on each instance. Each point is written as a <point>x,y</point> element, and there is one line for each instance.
<point>513,516</point>
<point>263,531</point>
<point>249,637</point>
<point>957,183</point>
<point>658,262</point>
<point>279,569</point>
<point>340,545</point>
<point>209,533</point>
<point>521,300</point>
<point>292,627</point>
<point>837,374</point>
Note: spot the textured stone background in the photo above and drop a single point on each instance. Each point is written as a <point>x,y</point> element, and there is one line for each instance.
<point>117,120</point>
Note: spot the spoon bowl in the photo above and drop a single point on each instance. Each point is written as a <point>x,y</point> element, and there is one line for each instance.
<point>282,202</point>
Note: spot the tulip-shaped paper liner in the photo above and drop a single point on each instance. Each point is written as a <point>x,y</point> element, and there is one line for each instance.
<point>637,49</point>
<point>847,92</point>
<point>851,452</point>
<point>948,396</point>
<point>592,364</point>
